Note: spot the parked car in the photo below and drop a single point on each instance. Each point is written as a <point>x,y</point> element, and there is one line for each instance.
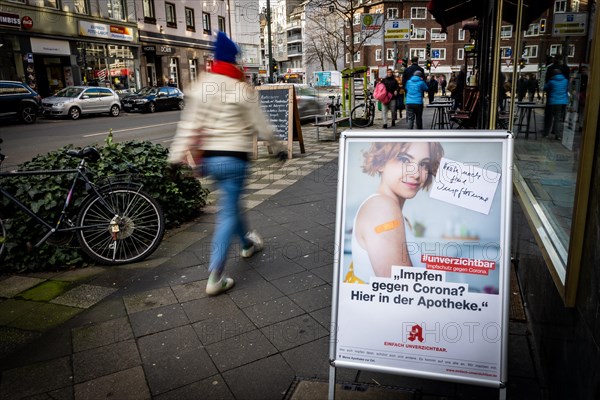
<point>150,99</point>
<point>74,101</point>
<point>17,100</point>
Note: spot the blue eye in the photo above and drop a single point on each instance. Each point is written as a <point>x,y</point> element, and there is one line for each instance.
<point>403,159</point>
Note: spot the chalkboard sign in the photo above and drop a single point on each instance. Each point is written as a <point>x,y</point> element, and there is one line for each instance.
<point>279,105</point>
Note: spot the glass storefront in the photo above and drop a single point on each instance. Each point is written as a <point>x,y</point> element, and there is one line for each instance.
<point>107,65</point>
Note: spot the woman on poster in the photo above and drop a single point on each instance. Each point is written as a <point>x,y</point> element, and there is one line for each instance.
<point>381,232</point>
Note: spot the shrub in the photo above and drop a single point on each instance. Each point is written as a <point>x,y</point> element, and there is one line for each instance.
<point>180,195</point>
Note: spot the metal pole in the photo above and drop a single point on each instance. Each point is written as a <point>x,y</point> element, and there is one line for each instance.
<point>269,41</point>
<point>516,56</point>
<point>496,67</point>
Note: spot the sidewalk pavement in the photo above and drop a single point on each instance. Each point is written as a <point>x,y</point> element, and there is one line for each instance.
<point>148,330</point>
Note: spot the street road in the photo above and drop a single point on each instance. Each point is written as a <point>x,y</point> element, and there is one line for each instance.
<point>23,142</point>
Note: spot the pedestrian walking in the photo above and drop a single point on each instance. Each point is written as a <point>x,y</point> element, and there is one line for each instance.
<point>457,93</point>
<point>533,87</point>
<point>410,71</point>
<point>432,88</point>
<point>557,94</point>
<point>392,87</point>
<point>443,84</point>
<point>223,117</point>
<point>521,88</point>
<point>415,90</point>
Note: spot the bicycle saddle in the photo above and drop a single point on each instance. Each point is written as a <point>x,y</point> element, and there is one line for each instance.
<point>90,154</point>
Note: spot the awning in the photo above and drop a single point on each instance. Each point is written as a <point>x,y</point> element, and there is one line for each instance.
<point>450,12</point>
<point>441,70</point>
<point>525,70</point>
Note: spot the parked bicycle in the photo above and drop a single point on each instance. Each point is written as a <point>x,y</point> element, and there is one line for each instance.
<point>363,114</point>
<point>335,106</point>
<point>117,222</point>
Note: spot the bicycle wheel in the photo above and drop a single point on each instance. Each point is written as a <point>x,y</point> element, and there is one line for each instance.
<point>360,116</point>
<point>371,113</point>
<point>122,226</point>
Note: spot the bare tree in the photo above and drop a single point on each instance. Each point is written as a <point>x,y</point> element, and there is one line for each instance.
<point>313,51</point>
<point>322,49</point>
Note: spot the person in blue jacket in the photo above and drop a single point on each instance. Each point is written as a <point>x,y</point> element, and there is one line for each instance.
<point>415,89</point>
<point>557,94</point>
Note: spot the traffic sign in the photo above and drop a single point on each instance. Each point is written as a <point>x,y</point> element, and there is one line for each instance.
<point>435,63</point>
<point>435,54</point>
<point>508,62</point>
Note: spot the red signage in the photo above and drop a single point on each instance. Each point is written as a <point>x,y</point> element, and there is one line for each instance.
<point>508,62</point>
<point>26,22</point>
<point>435,63</point>
<point>10,20</point>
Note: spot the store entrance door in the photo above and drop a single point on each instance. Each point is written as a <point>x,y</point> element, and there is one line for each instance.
<point>151,74</point>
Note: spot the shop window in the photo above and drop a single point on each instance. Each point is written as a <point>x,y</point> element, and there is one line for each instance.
<point>116,10</point>
<point>206,23</point>
<point>193,70</point>
<point>148,10</point>
<point>418,12</point>
<point>171,15</point>
<point>190,23</point>
<point>174,69</point>
<point>221,22</point>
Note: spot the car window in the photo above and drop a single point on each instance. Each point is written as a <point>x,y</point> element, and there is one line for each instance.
<point>172,91</point>
<point>12,88</point>
<point>162,91</point>
<point>92,92</point>
<point>103,92</point>
<point>69,92</point>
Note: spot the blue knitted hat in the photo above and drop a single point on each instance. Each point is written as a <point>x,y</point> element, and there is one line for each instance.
<point>225,49</point>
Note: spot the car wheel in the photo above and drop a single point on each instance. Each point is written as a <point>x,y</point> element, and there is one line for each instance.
<point>74,113</point>
<point>115,111</point>
<point>180,105</point>
<point>28,114</point>
<point>151,107</point>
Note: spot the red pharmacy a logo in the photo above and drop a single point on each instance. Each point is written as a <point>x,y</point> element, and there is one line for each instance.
<point>416,332</point>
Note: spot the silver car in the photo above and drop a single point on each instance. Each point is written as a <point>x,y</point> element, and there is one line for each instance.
<point>74,101</point>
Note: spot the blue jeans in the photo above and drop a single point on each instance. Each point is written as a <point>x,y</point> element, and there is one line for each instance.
<point>229,174</point>
<point>414,112</point>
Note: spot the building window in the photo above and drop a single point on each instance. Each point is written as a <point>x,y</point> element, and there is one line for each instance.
<point>148,10</point>
<point>461,34</point>
<point>571,50</point>
<point>505,52</point>
<point>193,70</point>
<point>377,54</point>
<point>533,30</point>
<point>389,54</point>
<point>190,19</point>
<point>392,13</point>
<point>419,34</point>
<point>221,23</point>
<point>542,25</point>
<point>116,10</point>
<point>575,6</point>
<point>418,12</point>
<point>356,19</point>
<point>417,53</point>
<point>347,58</point>
<point>530,51</point>
<point>560,6</point>
<point>555,49</point>
<point>438,54</point>
<point>51,3</point>
<point>357,56</point>
<point>460,55</point>
<point>171,16</point>
<point>436,34</point>
<point>206,23</point>
<point>506,32</point>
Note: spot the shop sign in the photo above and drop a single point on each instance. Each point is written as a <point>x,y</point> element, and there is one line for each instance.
<point>104,31</point>
<point>10,20</point>
<point>27,22</point>
<point>149,49</point>
<point>50,46</point>
<point>164,49</point>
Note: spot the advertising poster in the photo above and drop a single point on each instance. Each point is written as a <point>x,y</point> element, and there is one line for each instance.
<point>422,274</point>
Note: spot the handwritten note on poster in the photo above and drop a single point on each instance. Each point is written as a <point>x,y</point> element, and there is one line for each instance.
<point>465,185</point>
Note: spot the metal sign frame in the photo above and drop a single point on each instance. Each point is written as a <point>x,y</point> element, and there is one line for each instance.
<point>365,334</point>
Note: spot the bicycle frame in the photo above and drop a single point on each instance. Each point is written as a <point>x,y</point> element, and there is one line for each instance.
<point>79,174</point>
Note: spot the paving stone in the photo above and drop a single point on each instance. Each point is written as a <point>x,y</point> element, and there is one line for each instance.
<point>186,275</point>
<point>12,339</point>
<point>36,378</point>
<point>269,312</point>
<point>45,317</point>
<point>323,316</point>
<point>256,292</point>
<point>294,332</point>
<point>12,309</point>
<point>174,358</point>
<point>298,282</point>
<point>520,362</point>
<point>45,291</point>
<point>208,307</point>
<point>115,277</point>
<point>279,269</point>
<point>325,272</point>
<point>79,274</point>
<point>314,298</point>
<point>158,319</point>
<point>108,309</point>
<point>213,388</point>
<point>239,350</point>
<point>268,378</point>
<point>190,291</point>
<point>311,360</point>
<point>59,394</point>
<point>14,285</point>
<point>427,386</point>
<point>83,296</point>
<point>149,299</point>
<point>123,385</point>
<point>94,363</point>
<point>101,334</point>
<point>223,327</point>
